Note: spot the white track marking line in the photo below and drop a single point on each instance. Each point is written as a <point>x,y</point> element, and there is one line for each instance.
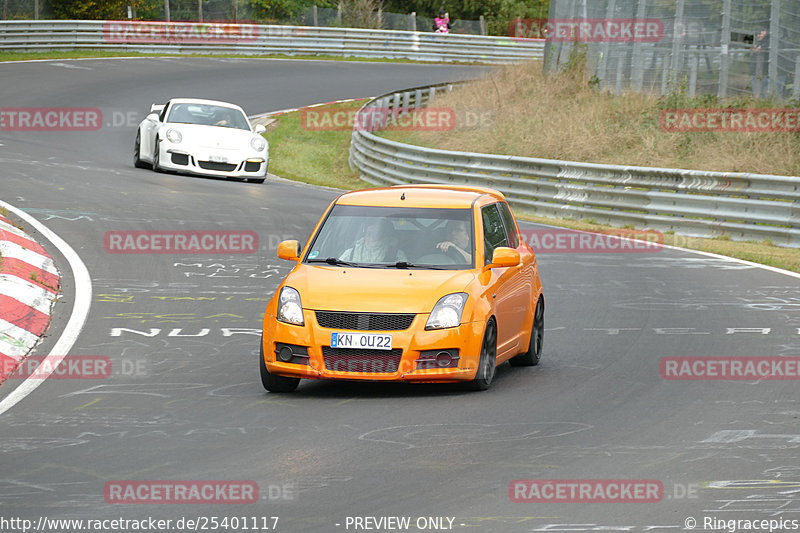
<point>698,252</point>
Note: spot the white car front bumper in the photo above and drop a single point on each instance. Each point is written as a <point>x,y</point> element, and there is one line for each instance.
<point>203,164</point>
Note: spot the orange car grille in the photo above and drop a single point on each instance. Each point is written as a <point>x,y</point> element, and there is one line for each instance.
<point>361,360</point>
<point>365,321</point>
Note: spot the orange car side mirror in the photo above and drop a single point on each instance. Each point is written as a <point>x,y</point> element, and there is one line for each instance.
<point>289,250</point>
<point>504,257</point>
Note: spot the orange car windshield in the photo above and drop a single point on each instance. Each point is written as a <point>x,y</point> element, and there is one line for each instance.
<point>394,237</point>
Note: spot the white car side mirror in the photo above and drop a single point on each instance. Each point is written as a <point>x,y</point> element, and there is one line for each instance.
<point>153,117</point>
<point>259,129</point>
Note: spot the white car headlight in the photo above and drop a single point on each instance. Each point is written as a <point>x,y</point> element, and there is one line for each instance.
<point>447,311</point>
<point>258,143</point>
<point>174,136</point>
<point>289,308</point>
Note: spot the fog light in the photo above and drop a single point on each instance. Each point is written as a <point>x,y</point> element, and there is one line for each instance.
<point>285,354</point>
<point>444,359</point>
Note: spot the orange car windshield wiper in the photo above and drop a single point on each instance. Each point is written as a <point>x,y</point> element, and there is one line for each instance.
<point>406,264</point>
<point>339,262</point>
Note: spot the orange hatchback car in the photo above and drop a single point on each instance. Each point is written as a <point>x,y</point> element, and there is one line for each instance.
<point>418,283</point>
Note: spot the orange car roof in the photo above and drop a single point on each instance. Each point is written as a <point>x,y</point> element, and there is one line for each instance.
<point>427,195</point>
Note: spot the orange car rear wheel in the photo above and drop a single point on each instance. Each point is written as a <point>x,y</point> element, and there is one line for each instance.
<point>534,353</point>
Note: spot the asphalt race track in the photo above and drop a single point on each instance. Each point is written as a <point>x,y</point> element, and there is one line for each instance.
<point>185,401</point>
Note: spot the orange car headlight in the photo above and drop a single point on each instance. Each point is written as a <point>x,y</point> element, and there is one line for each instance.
<point>447,311</point>
<point>290,310</point>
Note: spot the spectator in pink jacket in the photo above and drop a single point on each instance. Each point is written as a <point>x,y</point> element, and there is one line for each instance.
<point>441,24</point>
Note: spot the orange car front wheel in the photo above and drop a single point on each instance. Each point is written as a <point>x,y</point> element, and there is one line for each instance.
<point>488,362</point>
<point>274,383</point>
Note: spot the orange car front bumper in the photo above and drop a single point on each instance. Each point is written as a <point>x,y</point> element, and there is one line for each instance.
<point>414,364</point>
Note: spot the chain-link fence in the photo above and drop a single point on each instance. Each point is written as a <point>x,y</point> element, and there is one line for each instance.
<point>319,16</point>
<point>25,9</point>
<point>179,10</point>
<point>722,47</point>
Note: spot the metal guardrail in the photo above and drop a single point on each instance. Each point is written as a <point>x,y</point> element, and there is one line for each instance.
<point>226,38</point>
<point>688,202</point>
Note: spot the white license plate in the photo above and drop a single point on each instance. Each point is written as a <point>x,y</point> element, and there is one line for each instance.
<point>218,159</point>
<point>371,341</point>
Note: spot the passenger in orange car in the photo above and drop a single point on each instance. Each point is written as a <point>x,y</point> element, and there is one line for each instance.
<point>457,245</point>
<point>375,246</point>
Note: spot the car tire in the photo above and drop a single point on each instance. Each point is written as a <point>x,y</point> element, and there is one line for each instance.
<point>157,156</point>
<point>534,353</point>
<point>487,366</point>
<point>271,382</point>
<point>137,150</point>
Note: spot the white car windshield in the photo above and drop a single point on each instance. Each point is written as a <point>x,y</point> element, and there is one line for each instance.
<point>390,237</point>
<point>208,115</point>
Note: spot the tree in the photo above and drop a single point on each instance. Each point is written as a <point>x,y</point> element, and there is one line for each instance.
<point>361,13</point>
<point>101,9</point>
<point>284,10</point>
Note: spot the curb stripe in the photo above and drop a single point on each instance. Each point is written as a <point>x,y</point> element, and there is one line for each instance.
<point>26,293</point>
<point>6,225</point>
<point>21,269</point>
<point>15,342</point>
<point>23,241</point>
<point>42,262</point>
<point>22,316</point>
<point>25,303</point>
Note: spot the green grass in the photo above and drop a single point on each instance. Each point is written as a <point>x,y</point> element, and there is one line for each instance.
<point>565,117</point>
<point>316,157</point>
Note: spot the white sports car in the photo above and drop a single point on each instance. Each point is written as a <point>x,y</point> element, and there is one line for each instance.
<point>201,137</point>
